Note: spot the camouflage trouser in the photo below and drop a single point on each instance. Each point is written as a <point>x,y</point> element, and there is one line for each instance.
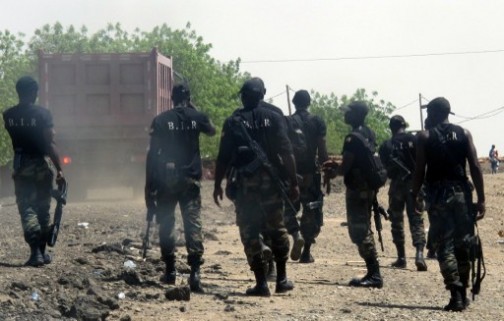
<point>358,206</point>
<point>450,223</point>
<point>311,218</point>
<point>189,200</point>
<point>33,184</point>
<point>399,197</point>
<point>259,211</point>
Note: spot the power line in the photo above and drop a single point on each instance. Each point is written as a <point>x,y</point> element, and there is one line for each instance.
<point>484,115</point>
<point>432,54</point>
<point>275,96</point>
<point>408,104</point>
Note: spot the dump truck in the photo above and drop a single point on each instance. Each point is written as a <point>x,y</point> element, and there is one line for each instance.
<point>102,106</point>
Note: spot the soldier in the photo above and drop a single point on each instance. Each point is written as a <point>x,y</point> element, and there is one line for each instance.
<point>445,149</point>
<point>359,197</point>
<point>249,131</point>
<point>173,176</point>
<point>307,164</point>
<point>35,158</point>
<point>398,156</point>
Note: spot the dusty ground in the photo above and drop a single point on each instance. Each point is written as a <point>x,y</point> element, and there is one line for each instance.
<point>84,281</point>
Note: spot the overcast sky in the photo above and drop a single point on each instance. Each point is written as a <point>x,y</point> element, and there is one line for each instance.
<point>280,30</point>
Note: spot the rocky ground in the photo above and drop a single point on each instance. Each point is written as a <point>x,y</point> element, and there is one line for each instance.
<point>88,280</point>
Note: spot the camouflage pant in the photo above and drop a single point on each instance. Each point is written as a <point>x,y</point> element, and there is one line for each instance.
<point>358,206</point>
<point>399,197</point>
<point>189,200</point>
<point>33,185</point>
<point>451,223</point>
<point>311,218</point>
<point>259,211</point>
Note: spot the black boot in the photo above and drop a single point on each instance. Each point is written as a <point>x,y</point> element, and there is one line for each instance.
<point>297,245</point>
<point>373,277</point>
<point>36,259</point>
<point>419,259</point>
<point>400,263</point>
<point>170,275</point>
<point>431,254</point>
<point>282,283</point>
<point>272,273</point>
<point>46,256</point>
<point>456,301</point>
<point>261,287</point>
<point>306,256</point>
<point>195,279</point>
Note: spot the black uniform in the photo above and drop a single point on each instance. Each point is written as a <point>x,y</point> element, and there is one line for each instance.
<point>33,172</point>
<point>174,171</point>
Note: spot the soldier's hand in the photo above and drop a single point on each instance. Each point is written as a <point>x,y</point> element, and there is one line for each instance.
<point>294,193</point>
<point>60,178</point>
<point>480,207</point>
<point>217,194</point>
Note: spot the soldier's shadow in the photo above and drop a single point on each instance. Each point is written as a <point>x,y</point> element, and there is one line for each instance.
<point>399,306</point>
<point>11,265</point>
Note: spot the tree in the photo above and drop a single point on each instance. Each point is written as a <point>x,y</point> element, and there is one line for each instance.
<point>328,107</point>
<point>13,64</point>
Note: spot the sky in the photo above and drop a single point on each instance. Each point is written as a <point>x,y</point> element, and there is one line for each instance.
<point>400,49</point>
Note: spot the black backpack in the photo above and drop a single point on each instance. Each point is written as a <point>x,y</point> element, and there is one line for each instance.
<point>372,166</point>
<point>297,137</point>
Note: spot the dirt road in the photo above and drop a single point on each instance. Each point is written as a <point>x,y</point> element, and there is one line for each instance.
<point>87,280</point>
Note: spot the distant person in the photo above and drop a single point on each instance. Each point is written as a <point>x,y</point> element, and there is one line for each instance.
<point>493,156</point>
<point>259,206</point>
<point>398,155</point>
<point>173,177</point>
<point>443,152</point>
<point>359,196</point>
<point>310,151</point>
<point>35,159</point>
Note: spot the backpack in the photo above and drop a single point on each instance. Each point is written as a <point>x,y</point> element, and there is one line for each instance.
<point>372,166</point>
<point>297,137</point>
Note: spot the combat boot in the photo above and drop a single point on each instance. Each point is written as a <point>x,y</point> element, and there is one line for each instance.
<point>195,279</point>
<point>297,245</point>
<point>282,283</point>
<point>36,259</point>
<point>400,263</point>
<point>456,301</point>
<point>261,287</point>
<point>373,277</point>
<point>170,275</point>
<point>306,256</point>
<point>46,256</point>
<point>431,254</point>
<point>272,273</point>
<point>419,259</point>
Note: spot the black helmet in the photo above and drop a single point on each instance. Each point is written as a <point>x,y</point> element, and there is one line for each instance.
<point>301,98</point>
<point>180,93</point>
<point>26,85</point>
<point>397,122</point>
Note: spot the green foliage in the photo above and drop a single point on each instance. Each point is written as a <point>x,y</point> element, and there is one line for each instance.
<point>328,107</point>
<point>13,64</point>
<point>214,85</point>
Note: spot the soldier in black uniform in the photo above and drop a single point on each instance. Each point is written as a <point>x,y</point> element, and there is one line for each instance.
<point>398,155</point>
<point>35,158</point>
<point>259,206</point>
<point>359,196</point>
<point>173,176</point>
<point>307,165</point>
<point>445,149</point>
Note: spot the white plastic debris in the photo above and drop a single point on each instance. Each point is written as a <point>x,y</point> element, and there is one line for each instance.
<point>121,296</point>
<point>35,296</point>
<point>129,264</point>
<point>84,225</point>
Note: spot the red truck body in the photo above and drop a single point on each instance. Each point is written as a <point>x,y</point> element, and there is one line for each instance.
<point>102,105</point>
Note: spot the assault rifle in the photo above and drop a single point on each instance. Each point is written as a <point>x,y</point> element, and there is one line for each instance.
<point>60,195</point>
<point>403,167</point>
<point>261,160</point>
<point>146,241</point>
<point>379,211</point>
<point>478,269</point>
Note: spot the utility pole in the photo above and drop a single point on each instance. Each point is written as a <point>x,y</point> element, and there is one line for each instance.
<point>421,114</point>
<point>288,99</point>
